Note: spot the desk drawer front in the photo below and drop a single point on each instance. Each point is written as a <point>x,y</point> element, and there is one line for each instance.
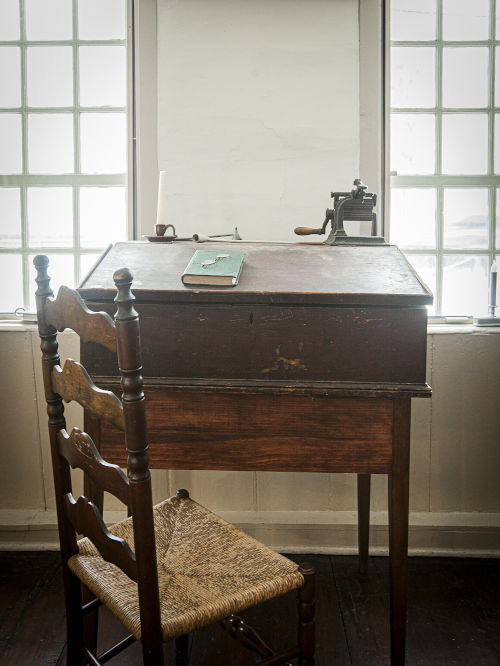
<point>188,430</point>
<point>319,343</point>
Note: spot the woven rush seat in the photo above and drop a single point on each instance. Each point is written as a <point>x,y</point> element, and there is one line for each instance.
<point>207,569</point>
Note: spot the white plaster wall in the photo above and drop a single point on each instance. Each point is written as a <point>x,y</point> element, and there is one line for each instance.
<point>258,112</point>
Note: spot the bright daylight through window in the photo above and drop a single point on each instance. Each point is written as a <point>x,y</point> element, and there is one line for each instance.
<point>63,132</point>
<point>445,145</point>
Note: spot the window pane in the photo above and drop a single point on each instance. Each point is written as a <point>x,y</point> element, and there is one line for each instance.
<point>11,290</point>
<point>101,19</point>
<point>465,143</point>
<point>497,236</point>
<point>465,217</point>
<point>464,20</point>
<point>413,77</point>
<point>413,217</point>
<point>50,76</point>
<point>413,21</point>
<point>425,266</point>
<point>10,76</point>
<point>50,19</point>
<point>50,143</point>
<point>497,75</point>
<point>50,216</point>
<point>10,217</point>
<point>103,142</point>
<point>413,143</point>
<point>497,143</point>
<point>465,77</point>
<point>61,271</point>
<point>103,79</point>
<point>9,20</point>
<point>465,285</point>
<point>87,262</point>
<point>102,216</point>
<point>11,157</point>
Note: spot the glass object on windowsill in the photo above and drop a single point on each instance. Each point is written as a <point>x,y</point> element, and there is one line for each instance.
<point>413,77</point>
<point>50,216</point>
<point>465,143</point>
<point>10,217</point>
<point>412,21</point>
<point>48,20</point>
<point>49,76</point>
<point>10,68</point>
<point>413,217</point>
<point>465,77</point>
<point>465,284</point>
<point>464,20</point>
<point>413,143</point>
<point>465,217</point>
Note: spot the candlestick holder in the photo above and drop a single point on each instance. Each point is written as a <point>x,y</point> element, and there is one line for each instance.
<point>490,320</point>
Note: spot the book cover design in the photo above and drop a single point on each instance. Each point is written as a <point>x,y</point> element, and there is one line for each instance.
<point>218,268</point>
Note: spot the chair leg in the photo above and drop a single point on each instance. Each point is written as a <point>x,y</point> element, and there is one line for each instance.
<point>74,618</point>
<point>306,616</point>
<point>181,651</point>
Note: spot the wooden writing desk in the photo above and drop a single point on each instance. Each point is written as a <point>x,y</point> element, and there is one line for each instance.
<point>309,364</point>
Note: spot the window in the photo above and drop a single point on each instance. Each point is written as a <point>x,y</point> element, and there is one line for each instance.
<point>63,132</point>
<point>445,159</point>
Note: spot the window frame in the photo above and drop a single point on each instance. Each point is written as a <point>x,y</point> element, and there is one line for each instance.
<point>74,180</point>
<point>440,181</point>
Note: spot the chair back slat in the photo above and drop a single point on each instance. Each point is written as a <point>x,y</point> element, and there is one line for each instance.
<point>87,520</point>
<point>69,311</point>
<point>80,451</point>
<point>72,382</point>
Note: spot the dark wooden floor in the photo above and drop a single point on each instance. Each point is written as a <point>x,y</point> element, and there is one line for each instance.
<point>453,613</point>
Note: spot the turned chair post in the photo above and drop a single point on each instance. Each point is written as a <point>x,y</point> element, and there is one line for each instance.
<point>61,471</point>
<point>130,366</point>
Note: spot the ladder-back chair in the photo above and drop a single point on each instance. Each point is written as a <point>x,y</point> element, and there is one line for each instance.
<point>166,570</point>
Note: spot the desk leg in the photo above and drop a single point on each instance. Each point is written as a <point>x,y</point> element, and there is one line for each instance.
<point>398,527</point>
<point>363,520</point>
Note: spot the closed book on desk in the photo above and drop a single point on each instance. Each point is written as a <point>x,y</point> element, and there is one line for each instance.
<point>214,268</point>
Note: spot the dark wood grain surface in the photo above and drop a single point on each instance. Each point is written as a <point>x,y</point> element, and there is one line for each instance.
<point>263,432</point>
<point>272,273</point>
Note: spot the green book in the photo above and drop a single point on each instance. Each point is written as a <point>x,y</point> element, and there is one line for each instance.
<point>218,268</point>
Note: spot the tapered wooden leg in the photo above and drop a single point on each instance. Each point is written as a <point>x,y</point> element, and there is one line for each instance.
<point>398,528</point>
<point>181,650</point>
<point>306,616</point>
<point>363,521</point>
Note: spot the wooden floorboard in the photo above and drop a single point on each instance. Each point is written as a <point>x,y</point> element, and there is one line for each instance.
<point>453,615</point>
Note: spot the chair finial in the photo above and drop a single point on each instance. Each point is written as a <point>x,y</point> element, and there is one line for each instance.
<point>124,298</point>
<point>41,263</point>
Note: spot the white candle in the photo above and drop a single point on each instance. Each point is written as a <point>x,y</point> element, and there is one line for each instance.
<point>493,289</point>
<point>161,214</point>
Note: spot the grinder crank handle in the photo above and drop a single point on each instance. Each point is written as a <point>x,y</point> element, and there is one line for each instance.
<point>307,231</point>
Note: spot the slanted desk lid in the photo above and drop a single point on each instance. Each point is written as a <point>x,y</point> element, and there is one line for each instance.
<point>294,273</point>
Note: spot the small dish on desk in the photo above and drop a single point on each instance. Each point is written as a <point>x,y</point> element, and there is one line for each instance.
<point>160,239</point>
